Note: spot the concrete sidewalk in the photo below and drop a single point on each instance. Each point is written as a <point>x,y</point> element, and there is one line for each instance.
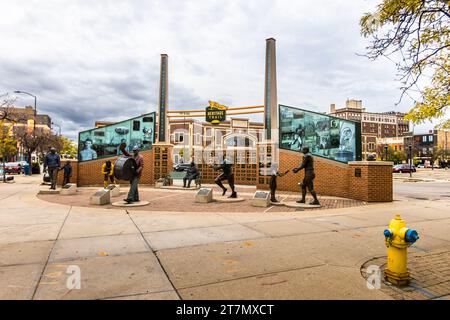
<point>199,255</point>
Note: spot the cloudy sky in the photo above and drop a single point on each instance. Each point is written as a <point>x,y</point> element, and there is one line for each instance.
<point>99,60</point>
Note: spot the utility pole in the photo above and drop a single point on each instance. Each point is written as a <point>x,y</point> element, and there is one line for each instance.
<point>410,160</point>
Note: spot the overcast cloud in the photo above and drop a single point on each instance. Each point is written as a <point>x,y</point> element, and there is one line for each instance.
<point>99,60</point>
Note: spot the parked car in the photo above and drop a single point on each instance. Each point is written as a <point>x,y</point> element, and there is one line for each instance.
<point>403,168</point>
<point>7,178</point>
<point>13,168</point>
<point>180,167</point>
<point>421,166</point>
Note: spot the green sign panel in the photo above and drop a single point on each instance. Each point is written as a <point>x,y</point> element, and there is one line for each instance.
<point>215,113</point>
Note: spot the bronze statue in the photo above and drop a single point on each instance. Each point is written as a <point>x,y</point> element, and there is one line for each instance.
<point>308,180</point>
<point>191,174</point>
<point>52,162</point>
<point>134,165</point>
<point>273,181</point>
<point>227,174</point>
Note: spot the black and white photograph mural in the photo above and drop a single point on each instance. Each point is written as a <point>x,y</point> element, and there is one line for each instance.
<point>326,136</point>
<point>104,141</point>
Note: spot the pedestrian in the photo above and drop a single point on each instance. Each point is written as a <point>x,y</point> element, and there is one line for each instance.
<point>108,173</point>
<point>52,162</point>
<point>308,181</point>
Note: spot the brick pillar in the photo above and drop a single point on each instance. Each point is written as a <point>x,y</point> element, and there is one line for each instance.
<point>371,181</point>
<point>267,153</point>
<point>162,161</point>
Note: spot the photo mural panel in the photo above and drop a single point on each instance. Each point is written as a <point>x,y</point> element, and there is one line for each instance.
<point>104,141</point>
<point>326,136</point>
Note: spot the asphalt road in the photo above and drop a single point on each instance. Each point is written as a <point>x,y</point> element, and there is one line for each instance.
<point>425,190</point>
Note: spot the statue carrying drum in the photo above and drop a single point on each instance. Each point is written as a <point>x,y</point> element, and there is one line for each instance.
<point>129,167</point>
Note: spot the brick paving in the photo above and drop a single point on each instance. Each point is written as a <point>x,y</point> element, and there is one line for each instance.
<point>430,273</point>
<point>184,201</point>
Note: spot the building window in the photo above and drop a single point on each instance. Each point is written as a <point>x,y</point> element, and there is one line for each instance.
<point>424,139</point>
<point>430,138</point>
<point>179,137</point>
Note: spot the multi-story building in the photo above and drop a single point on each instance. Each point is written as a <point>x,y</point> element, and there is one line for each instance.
<point>427,146</point>
<point>24,118</point>
<point>443,141</point>
<point>191,137</point>
<point>374,126</point>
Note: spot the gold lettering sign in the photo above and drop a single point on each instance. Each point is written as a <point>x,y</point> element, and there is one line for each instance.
<point>215,113</point>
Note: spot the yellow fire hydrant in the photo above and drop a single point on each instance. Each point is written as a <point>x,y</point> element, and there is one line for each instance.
<point>398,238</point>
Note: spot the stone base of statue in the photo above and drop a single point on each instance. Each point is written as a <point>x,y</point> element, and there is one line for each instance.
<point>204,195</point>
<point>192,188</point>
<point>279,203</point>
<point>48,191</point>
<point>101,197</point>
<point>123,204</point>
<point>293,204</point>
<point>159,183</point>
<point>115,190</point>
<point>69,189</point>
<point>261,199</point>
<point>225,199</point>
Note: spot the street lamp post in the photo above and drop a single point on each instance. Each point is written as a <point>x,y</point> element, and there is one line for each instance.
<point>35,108</point>
<point>59,128</point>
<point>410,160</point>
<point>385,152</point>
<point>34,118</point>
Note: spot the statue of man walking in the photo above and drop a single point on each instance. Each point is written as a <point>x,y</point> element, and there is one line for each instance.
<point>308,180</point>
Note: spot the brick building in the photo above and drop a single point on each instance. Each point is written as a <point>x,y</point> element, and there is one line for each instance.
<point>192,136</point>
<point>374,126</point>
<point>426,146</point>
<point>24,117</point>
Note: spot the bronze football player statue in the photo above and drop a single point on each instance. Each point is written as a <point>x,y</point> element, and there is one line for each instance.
<point>227,174</point>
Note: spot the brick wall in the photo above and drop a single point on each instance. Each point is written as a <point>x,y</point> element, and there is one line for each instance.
<point>332,177</point>
<point>73,179</point>
<point>369,181</point>
<point>373,184</point>
<point>89,173</point>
